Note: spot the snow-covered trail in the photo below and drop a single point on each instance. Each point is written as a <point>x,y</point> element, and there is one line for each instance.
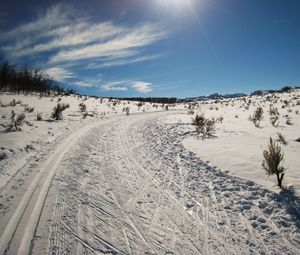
<point>128,186</point>
<point>28,189</point>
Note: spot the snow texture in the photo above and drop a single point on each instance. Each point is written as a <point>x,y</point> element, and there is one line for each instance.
<point>137,184</point>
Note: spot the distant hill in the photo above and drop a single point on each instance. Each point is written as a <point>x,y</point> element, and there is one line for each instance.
<point>237,95</point>
<point>217,96</point>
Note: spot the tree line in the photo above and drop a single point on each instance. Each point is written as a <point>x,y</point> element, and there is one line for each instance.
<point>158,100</point>
<point>25,79</point>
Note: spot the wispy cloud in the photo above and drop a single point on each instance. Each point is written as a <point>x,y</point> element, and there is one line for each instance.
<point>62,36</point>
<point>139,86</point>
<point>58,73</point>
<point>121,62</point>
<point>43,26</point>
<point>115,86</point>
<point>83,84</point>
<point>142,87</point>
<point>89,82</point>
<point>123,45</point>
<point>73,35</point>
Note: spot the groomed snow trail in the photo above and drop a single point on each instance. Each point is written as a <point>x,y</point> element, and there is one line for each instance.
<point>129,187</point>
<point>20,217</point>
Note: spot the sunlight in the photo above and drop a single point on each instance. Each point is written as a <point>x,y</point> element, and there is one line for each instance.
<point>176,7</point>
<point>174,4</point>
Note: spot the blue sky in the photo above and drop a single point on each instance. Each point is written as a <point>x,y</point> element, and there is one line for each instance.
<point>178,48</point>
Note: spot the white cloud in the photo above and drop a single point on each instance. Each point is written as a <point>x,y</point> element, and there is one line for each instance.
<point>54,17</point>
<point>121,62</point>
<point>63,36</point>
<point>115,86</point>
<point>142,87</point>
<point>89,82</point>
<point>82,84</point>
<point>74,35</point>
<point>58,73</point>
<point>123,45</point>
<point>66,37</point>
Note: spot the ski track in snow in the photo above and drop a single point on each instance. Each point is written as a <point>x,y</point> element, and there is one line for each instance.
<point>131,188</point>
<point>128,186</point>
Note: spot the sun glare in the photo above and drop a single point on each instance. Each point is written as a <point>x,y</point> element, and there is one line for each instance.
<point>174,3</point>
<point>177,7</point>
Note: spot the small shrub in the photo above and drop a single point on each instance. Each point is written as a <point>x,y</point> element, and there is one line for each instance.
<point>257,116</point>
<point>39,116</point>
<point>209,128</point>
<point>203,126</point>
<point>273,111</point>
<point>289,121</point>
<point>286,102</point>
<point>16,121</point>
<point>3,156</point>
<point>58,110</point>
<point>281,139</point>
<point>30,124</point>
<point>13,103</point>
<point>199,120</point>
<point>272,160</point>
<point>220,119</point>
<point>82,109</point>
<point>28,109</point>
<point>274,120</point>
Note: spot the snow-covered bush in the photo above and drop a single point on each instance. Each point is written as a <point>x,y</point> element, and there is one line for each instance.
<point>3,156</point>
<point>274,119</point>
<point>203,126</point>
<point>209,128</point>
<point>281,139</point>
<point>16,121</point>
<point>39,116</point>
<point>272,160</point>
<point>289,121</point>
<point>58,110</point>
<point>82,109</point>
<point>257,116</point>
<point>29,109</point>
<point>273,111</point>
<point>220,119</point>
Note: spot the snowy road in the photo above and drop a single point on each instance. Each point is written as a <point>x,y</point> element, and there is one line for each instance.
<point>128,186</point>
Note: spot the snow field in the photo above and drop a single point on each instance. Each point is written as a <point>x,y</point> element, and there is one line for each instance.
<point>144,183</point>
